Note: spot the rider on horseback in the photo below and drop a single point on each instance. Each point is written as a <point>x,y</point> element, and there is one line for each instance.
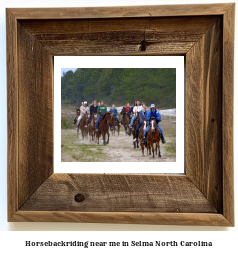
<point>113,110</point>
<point>83,110</point>
<point>136,109</point>
<point>102,109</point>
<point>153,113</point>
<point>93,110</point>
<point>142,114</point>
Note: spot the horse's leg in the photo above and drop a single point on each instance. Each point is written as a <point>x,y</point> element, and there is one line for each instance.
<point>149,149</point>
<point>108,137</point>
<point>142,148</point>
<point>153,151</point>
<point>104,137</point>
<point>98,137</point>
<point>78,133</point>
<point>125,130</point>
<point>159,155</point>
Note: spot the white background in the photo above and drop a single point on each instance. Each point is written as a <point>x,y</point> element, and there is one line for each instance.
<point>120,62</point>
<point>223,240</point>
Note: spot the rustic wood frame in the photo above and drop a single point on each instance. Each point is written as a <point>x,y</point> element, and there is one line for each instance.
<point>204,34</point>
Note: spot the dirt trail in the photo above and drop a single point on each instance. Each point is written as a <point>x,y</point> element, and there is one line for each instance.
<point>119,149</point>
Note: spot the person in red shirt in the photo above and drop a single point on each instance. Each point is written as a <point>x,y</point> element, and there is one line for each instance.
<point>128,107</point>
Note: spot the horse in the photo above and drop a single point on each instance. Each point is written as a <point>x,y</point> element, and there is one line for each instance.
<point>140,136</point>
<point>115,124</point>
<point>83,124</point>
<point>104,128</point>
<point>91,126</point>
<point>125,119</point>
<point>153,137</point>
<point>134,126</point>
<point>77,115</point>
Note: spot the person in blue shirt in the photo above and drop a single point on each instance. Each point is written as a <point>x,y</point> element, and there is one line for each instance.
<point>153,113</point>
<point>142,114</point>
<point>113,110</point>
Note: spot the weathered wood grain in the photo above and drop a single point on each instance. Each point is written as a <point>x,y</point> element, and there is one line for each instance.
<point>204,114</point>
<point>192,219</point>
<point>177,25</point>
<point>12,114</point>
<point>35,101</point>
<point>119,36</point>
<point>227,113</point>
<point>114,193</point>
<point>71,48</point>
<point>121,11</point>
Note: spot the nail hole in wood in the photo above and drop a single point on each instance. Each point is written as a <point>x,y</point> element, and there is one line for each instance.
<point>213,120</point>
<point>79,198</point>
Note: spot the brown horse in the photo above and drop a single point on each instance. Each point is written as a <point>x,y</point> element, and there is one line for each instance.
<point>104,128</point>
<point>91,126</point>
<point>115,125</point>
<point>83,124</point>
<point>140,136</point>
<point>134,126</point>
<point>153,137</point>
<point>125,119</point>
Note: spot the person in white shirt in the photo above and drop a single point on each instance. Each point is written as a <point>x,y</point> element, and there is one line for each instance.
<point>83,110</point>
<point>137,108</point>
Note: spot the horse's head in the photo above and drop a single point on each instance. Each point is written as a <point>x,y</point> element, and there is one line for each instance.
<point>123,111</point>
<point>108,117</point>
<point>77,111</point>
<point>153,124</point>
<point>144,123</point>
<point>85,117</point>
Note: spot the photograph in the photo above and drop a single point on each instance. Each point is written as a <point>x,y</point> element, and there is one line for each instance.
<point>118,114</point>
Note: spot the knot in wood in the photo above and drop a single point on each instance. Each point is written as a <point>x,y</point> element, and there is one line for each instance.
<point>143,45</point>
<point>79,198</point>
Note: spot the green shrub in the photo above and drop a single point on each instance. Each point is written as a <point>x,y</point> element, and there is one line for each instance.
<point>64,123</point>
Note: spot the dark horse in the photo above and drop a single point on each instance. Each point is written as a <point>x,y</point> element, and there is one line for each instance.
<point>134,126</point>
<point>78,114</point>
<point>104,128</point>
<point>115,125</point>
<point>125,119</point>
<point>91,126</point>
<point>83,124</point>
<point>153,137</point>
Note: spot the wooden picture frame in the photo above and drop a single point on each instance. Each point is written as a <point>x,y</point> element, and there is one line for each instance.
<point>204,34</point>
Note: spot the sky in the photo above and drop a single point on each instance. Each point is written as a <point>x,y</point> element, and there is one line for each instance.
<point>67,69</point>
